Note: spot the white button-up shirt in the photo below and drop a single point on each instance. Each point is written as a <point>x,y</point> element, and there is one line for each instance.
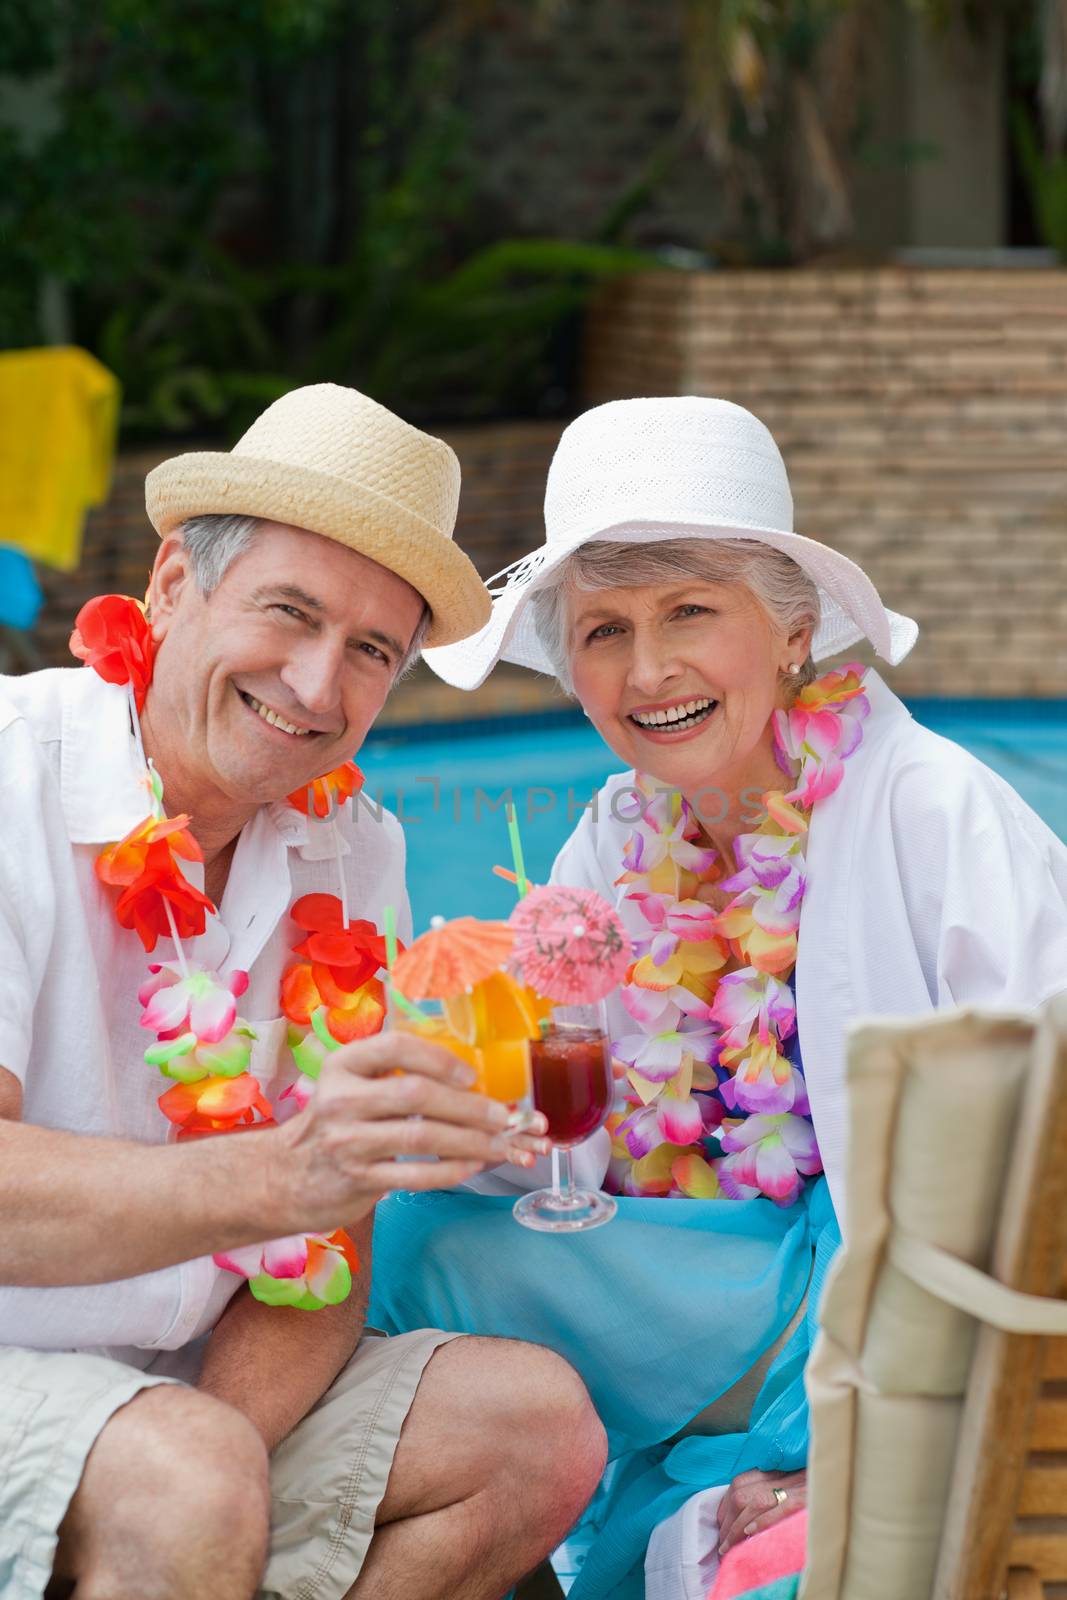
<point>70,783</point>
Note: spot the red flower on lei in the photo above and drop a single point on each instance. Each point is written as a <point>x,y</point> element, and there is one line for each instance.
<point>323,795</point>
<point>350,954</point>
<point>144,867</point>
<point>112,635</point>
<point>338,970</point>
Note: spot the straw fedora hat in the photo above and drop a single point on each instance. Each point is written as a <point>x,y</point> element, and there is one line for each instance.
<point>329,460</point>
<point>674,468</point>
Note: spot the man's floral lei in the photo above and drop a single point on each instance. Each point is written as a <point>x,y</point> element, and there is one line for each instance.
<point>718,1109</point>
<point>330,995</point>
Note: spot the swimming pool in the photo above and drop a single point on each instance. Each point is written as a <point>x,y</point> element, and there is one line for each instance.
<point>447,783</point>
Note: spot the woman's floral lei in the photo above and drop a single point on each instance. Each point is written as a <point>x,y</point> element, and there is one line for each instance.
<point>718,1109</point>
<point>330,995</point>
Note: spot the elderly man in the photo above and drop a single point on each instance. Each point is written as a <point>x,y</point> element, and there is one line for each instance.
<point>167,1430</point>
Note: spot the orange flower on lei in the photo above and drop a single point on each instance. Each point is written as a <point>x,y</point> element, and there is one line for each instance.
<point>215,1105</point>
<point>354,1014</point>
<point>323,795</point>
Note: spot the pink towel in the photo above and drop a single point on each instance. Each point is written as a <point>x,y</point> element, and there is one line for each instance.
<point>777,1552</point>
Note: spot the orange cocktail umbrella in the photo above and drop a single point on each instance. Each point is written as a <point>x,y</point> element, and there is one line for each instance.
<point>452,958</point>
<point>489,1018</point>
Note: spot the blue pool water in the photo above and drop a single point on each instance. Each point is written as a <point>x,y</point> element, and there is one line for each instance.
<point>447,784</point>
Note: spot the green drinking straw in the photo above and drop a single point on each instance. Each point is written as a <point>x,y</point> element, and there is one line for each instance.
<point>322,1032</point>
<point>389,929</point>
<point>399,1000</point>
<point>516,852</point>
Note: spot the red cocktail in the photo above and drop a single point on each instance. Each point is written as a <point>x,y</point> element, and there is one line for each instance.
<point>571,1082</point>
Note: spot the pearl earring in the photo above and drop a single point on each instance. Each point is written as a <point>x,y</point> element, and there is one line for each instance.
<point>793,668</point>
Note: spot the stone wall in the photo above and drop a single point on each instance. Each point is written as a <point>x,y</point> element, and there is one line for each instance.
<point>923,418</point>
<point>564,117</point>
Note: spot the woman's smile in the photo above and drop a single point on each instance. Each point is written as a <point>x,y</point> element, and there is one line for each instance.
<point>672,722</point>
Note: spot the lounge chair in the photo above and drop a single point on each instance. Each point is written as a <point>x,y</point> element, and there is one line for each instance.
<point>938,1467</point>
<point>938,1382</point>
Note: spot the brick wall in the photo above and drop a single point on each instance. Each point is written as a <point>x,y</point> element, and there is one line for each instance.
<point>504,468</point>
<point>923,418</point>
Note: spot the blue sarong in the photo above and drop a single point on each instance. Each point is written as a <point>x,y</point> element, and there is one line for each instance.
<point>661,1311</point>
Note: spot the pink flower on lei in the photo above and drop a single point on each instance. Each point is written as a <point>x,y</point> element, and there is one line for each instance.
<point>281,1258</point>
<point>764,1080</point>
<point>201,1003</point>
<point>682,942</point>
<point>306,1271</point>
<point>660,837</point>
<point>669,1119</point>
<point>673,922</point>
<point>771,880</point>
<point>658,1009</point>
<point>768,1155</point>
<point>747,1000</point>
<point>658,1057</point>
<point>820,732</point>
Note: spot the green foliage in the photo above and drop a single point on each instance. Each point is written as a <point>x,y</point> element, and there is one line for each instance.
<point>493,329</point>
<point>232,196</point>
<point>1046,179</point>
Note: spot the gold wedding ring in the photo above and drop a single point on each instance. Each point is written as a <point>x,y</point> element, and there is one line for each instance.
<point>779,1496</point>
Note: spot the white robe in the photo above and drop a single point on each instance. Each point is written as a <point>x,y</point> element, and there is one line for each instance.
<point>930,884</point>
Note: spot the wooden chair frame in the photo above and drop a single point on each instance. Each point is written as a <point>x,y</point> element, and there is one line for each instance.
<point>1006,1519</point>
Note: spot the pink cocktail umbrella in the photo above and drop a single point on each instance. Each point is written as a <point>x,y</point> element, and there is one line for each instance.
<point>569,944</point>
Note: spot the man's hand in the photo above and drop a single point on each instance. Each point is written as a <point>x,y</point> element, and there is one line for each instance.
<point>75,1208</point>
<point>750,1504</point>
<point>378,1099</point>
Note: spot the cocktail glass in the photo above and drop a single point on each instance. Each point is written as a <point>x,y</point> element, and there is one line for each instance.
<point>572,1086</point>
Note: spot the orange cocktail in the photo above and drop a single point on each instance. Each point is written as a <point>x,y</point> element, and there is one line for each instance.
<point>491,1027</point>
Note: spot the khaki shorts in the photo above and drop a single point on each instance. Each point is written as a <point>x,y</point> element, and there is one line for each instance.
<point>327,1478</point>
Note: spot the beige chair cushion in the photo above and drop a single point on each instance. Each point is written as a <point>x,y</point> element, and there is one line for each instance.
<point>939,1148</point>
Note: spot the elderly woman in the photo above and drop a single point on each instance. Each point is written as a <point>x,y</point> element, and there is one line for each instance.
<point>789,851</point>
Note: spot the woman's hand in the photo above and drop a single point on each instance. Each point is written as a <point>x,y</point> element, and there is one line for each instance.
<point>750,1504</point>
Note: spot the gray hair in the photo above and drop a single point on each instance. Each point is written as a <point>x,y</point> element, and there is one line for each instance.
<point>781,587</point>
<point>213,543</point>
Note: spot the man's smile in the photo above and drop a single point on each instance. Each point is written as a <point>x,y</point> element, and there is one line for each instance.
<point>274,719</point>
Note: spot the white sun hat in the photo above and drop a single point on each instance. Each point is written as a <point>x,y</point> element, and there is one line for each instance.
<point>672,468</point>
